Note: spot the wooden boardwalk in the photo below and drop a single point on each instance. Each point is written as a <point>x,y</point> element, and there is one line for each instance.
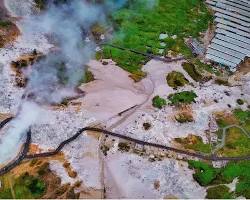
<point>231,44</point>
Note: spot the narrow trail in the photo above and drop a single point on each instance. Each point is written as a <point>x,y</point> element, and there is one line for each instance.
<point>24,153</point>
<point>224,134</point>
<point>148,55</point>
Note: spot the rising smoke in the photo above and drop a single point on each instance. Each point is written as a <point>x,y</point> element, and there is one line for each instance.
<point>68,25</point>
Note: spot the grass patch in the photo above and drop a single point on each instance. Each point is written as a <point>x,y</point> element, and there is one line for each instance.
<point>158,102</point>
<point>242,116</point>
<point>24,187</point>
<point>237,143</point>
<point>219,192</point>
<point>139,27</point>
<point>185,97</point>
<point>176,79</point>
<point>204,173</point>
<point>195,143</point>
<point>88,76</point>
<point>192,71</point>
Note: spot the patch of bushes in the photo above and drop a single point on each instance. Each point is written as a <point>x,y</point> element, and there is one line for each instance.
<point>88,76</point>
<point>5,24</point>
<point>146,126</point>
<point>184,117</point>
<point>176,79</point>
<point>219,192</point>
<point>105,149</point>
<point>222,81</point>
<point>240,101</point>
<point>24,187</point>
<point>185,97</point>
<point>123,146</point>
<point>195,143</point>
<point>159,102</point>
<point>206,174</point>
<point>191,70</point>
<point>138,75</point>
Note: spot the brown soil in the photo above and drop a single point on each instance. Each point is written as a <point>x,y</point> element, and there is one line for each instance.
<point>54,188</point>
<point>245,66</point>
<point>23,62</point>
<point>8,34</point>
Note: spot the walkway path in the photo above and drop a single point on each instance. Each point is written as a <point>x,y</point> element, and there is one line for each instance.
<point>223,140</point>
<point>24,154</point>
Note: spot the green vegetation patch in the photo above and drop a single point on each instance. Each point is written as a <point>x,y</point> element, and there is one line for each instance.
<point>24,187</point>
<point>185,97</point>
<point>88,76</point>
<point>5,23</point>
<point>192,71</point>
<point>159,102</point>
<point>240,101</point>
<point>242,116</point>
<point>176,79</point>
<point>139,27</point>
<point>206,174</point>
<point>237,142</point>
<point>195,143</point>
<point>219,192</point>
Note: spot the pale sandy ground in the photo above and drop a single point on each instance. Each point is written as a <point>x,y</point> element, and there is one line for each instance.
<point>112,91</point>
<point>164,127</point>
<point>130,176</point>
<point>10,96</point>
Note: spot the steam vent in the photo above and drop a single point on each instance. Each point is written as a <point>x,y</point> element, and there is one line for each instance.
<point>231,44</point>
<point>124,99</point>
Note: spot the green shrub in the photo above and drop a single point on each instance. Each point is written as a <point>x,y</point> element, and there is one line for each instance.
<point>24,187</point>
<point>240,101</point>
<point>185,97</point>
<point>204,173</point>
<point>191,70</point>
<point>219,192</point>
<point>88,76</point>
<point>194,142</point>
<point>184,117</point>
<point>5,24</point>
<point>159,102</point>
<point>123,146</point>
<point>176,79</point>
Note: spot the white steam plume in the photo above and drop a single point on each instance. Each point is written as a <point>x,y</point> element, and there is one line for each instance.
<point>68,25</point>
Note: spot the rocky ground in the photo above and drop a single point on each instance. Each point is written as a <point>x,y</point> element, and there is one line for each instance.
<point>118,174</point>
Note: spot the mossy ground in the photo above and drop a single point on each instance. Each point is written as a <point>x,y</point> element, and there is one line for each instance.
<point>139,27</point>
